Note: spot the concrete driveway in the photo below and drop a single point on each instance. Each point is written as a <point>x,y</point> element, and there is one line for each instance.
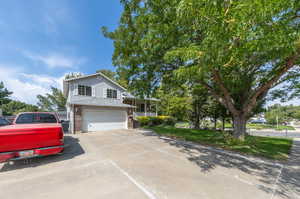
<point>135,164</point>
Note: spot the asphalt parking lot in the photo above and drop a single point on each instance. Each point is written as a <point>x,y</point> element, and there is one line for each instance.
<point>138,164</point>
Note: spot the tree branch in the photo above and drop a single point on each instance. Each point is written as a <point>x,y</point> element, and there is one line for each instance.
<point>218,97</point>
<point>290,62</point>
<point>228,99</point>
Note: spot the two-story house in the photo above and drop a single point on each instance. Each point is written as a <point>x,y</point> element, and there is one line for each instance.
<point>96,103</point>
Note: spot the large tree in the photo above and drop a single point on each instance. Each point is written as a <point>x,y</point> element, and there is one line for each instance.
<point>4,95</point>
<point>54,101</point>
<point>14,107</point>
<point>174,101</point>
<point>73,75</point>
<point>238,49</point>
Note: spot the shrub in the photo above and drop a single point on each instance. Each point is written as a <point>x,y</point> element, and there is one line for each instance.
<point>169,121</point>
<point>156,120</point>
<point>143,120</point>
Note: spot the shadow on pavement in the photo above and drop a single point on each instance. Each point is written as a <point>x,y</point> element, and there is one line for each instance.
<point>266,171</point>
<point>289,183</point>
<point>72,150</point>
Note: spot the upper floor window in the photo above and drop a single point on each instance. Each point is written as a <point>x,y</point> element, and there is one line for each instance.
<point>84,90</point>
<point>111,93</point>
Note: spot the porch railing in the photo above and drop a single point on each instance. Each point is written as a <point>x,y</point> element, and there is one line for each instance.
<point>137,114</point>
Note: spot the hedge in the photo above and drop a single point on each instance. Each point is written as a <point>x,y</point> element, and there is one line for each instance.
<point>155,120</point>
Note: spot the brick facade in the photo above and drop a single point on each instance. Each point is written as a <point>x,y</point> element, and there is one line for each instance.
<point>78,119</point>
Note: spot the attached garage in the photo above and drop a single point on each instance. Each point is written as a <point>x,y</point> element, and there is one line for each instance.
<point>103,118</point>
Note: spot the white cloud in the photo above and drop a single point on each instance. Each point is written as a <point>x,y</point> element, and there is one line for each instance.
<point>55,60</point>
<point>26,87</point>
<point>55,15</point>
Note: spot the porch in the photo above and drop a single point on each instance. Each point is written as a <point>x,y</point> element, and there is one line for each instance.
<point>143,107</point>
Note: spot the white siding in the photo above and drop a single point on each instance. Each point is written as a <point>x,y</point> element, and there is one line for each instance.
<point>99,86</point>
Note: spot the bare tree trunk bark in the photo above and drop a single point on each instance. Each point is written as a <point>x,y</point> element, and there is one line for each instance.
<point>223,123</point>
<point>239,126</point>
<point>215,124</point>
<point>197,123</point>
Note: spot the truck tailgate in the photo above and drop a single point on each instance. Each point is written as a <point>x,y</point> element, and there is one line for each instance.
<point>30,136</point>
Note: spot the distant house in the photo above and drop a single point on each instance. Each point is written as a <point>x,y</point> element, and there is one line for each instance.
<point>95,103</point>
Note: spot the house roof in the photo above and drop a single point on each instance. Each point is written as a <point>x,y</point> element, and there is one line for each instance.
<point>93,75</point>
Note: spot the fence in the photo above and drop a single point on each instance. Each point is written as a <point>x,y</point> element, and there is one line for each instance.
<point>10,118</point>
<point>62,115</point>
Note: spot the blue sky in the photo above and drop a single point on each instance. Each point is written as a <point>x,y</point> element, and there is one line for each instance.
<point>43,40</point>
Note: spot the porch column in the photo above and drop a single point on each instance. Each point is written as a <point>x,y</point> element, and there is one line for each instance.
<point>145,108</point>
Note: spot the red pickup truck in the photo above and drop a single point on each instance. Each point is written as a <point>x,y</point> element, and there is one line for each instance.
<point>31,135</point>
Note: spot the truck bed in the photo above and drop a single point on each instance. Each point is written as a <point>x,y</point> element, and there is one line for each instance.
<point>30,136</point>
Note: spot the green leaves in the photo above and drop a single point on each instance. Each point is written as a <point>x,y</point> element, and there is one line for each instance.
<point>190,53</point>
<point>4,94</point>
<point>15,107</point>
<point>54,101</point>
<point>251,45</point>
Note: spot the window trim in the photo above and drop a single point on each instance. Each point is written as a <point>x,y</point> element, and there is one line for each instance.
<point>111,93</point>
<point>85,90</point>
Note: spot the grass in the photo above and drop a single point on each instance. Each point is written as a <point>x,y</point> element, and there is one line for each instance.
<point>268,147</point>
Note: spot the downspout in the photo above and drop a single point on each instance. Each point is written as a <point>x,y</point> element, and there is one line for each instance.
<point>145,108</point>
<point>73,123</point>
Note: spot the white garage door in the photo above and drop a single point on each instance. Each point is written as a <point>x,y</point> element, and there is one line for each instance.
<point>100,119</point>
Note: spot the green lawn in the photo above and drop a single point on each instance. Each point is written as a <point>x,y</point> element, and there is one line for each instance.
<point>269,147</point>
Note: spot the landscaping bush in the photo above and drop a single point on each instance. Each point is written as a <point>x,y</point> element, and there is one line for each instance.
<point>156,120</point>
<point>143,120</point>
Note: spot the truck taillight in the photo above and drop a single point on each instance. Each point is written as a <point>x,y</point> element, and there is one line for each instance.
<point>61,134</point>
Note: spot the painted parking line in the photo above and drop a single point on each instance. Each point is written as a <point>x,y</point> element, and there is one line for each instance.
<point>276,182</point>
<point>135,182</point>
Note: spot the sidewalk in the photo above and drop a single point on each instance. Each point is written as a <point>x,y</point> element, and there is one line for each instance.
<point>288,183</point>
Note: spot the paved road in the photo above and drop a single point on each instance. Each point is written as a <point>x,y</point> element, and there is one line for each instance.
<point>130,164</point>
<point>289,134</point>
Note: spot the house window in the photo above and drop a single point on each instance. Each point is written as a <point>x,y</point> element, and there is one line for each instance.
<point>84,90</point>
<point>111,93</point>
<point>141,108</point>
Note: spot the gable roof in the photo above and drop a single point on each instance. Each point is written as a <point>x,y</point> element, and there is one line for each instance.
<point>94,75</point>
<point>66,82</point>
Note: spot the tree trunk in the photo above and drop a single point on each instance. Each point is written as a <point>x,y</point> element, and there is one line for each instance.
<point>215,124</point>
<point>197,123</point>
<point>223,123</point>
<point>239,126</point>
